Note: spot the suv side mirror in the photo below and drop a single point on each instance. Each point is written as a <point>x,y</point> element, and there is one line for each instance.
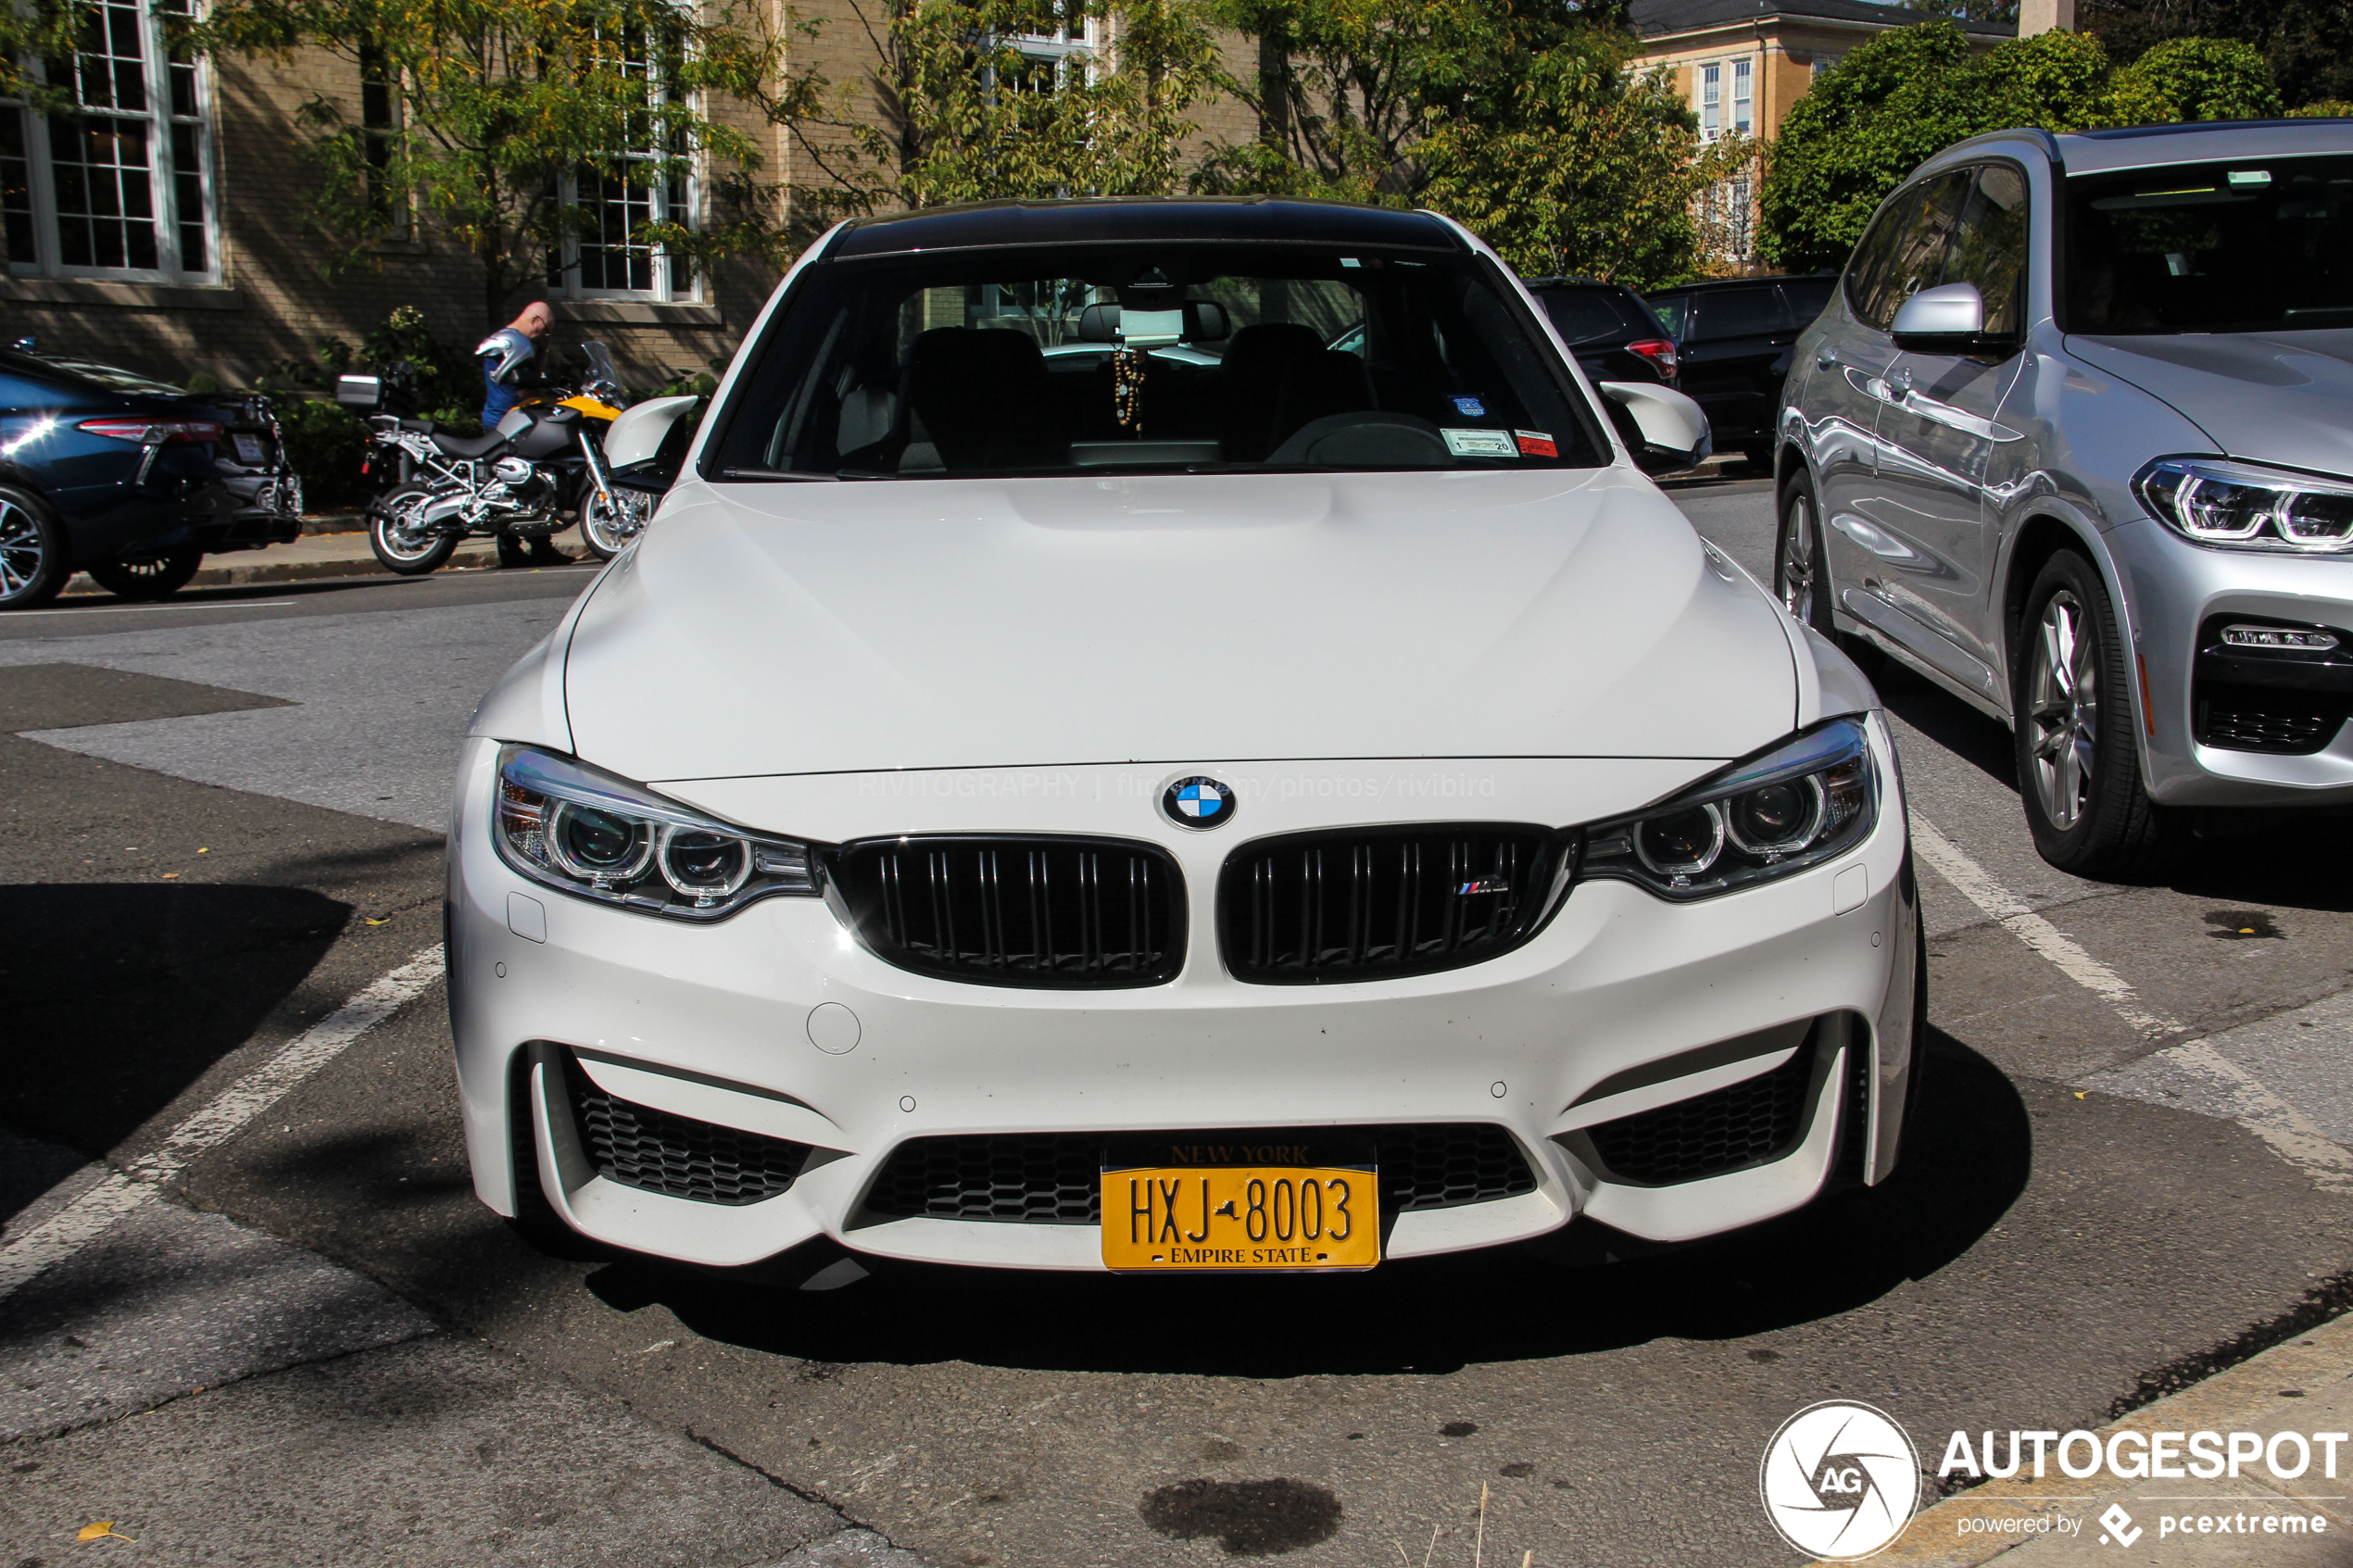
<point>1949,318</point>
<point>1664,430</point>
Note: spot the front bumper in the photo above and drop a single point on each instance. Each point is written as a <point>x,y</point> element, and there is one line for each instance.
<point>777,1023</point>
<point>2205,717</point>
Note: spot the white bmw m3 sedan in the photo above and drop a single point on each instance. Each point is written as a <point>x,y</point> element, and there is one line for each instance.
<point>1174,736</point>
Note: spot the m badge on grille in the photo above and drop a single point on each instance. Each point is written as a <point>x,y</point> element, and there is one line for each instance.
<point>1198,803</point>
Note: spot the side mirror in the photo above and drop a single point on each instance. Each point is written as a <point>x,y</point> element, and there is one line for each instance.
<point>647,446</point>
<point>1663,429</point>
<point>1949,318</point>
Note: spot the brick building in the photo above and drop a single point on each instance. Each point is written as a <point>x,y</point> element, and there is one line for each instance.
<point>163,226</point>
<point>1741,64</point>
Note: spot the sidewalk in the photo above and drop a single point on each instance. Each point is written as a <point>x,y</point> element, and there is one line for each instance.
<point>324,555</point>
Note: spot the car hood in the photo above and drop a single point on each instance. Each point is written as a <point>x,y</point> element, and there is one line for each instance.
<point>802,628</point>
<point>2267,398</point>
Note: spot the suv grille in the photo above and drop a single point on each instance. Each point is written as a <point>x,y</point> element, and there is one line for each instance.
<point>640,1147</point>
<point>1064,912</point>
<point>1749,1123</point>
<point>1380,903</point>
<point>1056,1178</point>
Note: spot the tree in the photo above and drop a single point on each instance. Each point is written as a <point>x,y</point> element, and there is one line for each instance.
<point>1585,165</point>
<point>2302,41</point>
<point>953,107</point>
<point>1912,91</point>
<point>494,106</point>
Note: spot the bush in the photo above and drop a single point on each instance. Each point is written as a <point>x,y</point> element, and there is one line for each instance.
<point>324,445</point>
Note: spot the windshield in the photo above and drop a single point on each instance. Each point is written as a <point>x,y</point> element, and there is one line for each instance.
<point>2260,245</point>
<point>1171,358</point>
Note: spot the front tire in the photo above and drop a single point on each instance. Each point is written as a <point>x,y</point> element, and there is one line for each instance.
<point>402,543</point>
<point>145,582</point>
<point>34,561</point>
<point>1801,569</point>
<point>2078,769</point>
<point>608,529</point>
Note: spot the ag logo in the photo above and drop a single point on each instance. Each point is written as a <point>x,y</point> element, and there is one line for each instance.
<point>1840,1480</point>
<point>1197,802</point>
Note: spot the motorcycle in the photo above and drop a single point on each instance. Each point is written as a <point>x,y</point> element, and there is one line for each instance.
<point>545,456</point>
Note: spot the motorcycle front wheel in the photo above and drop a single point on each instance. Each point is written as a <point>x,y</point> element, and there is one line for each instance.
<point>400,540</point>
<point>606,529</point>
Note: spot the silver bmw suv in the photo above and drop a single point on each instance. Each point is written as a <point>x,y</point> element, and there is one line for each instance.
<point>2074,440</point>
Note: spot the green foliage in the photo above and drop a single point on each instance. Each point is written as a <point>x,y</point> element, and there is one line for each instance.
<point>1586,166</point>
<point>2326,109</point>
<point>498,101</point>
<point>324,445</point>
<point>1912,91</point>
<point>2302,41</point>
<point>967,117</point>
<point>2183,79</point>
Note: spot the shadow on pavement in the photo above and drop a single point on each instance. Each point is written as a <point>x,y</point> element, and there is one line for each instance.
<point>1969,1160</point>
<point>119,996</point>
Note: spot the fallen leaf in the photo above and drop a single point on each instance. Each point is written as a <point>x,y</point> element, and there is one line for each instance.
<point>382,922</point>
<point>172,876</point>
<point>203,851</point>
<point>102,1527</point>
<point>2080,1093</point>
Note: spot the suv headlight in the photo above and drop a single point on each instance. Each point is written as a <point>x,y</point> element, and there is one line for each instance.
<point>1805,801</point>
<point>580,831</point>
<point>2241,507</point>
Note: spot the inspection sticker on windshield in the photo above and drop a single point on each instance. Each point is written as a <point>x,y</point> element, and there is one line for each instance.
<point>1536,444</point>
<point>1469,407</point>
<point>1479,444</point>
<point>2250,176</point>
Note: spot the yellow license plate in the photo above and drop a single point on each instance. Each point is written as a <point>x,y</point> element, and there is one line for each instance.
<point>1240,1217</point>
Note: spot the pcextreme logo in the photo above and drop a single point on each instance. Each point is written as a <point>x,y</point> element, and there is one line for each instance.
<point>1840,1480</point>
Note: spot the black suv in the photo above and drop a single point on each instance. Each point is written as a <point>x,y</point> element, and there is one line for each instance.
<point>1608,328</point>
<point>1735,337</point>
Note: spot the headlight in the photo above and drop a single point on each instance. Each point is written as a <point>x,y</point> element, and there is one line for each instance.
<point>1804,802</point>
<point>580,830</point>
<point>2242,507</point>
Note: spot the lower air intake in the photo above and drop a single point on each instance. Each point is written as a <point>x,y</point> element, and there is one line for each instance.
<point>1751,1122</point>
<point>655,1151</point>
<point>1056,1178</point>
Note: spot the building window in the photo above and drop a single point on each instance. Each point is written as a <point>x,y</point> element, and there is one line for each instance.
<point>1711,102</point>
<point>118,182</point>
<point>1744,97</point>
<point>1062,39</point>
<point>605,254</point>
<point>380,134</point>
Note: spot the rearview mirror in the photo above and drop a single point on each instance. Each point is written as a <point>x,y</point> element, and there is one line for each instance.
<point>1948,318</point>
<point>647,446</point>
<point>1663,429</point>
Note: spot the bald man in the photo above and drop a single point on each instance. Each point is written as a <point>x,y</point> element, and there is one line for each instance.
<point>508,357</point>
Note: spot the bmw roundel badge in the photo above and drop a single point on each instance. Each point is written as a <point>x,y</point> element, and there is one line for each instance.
<point>1198,803</point>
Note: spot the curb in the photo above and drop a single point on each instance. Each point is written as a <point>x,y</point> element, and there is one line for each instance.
<point>467,557</point>
<point>2303,1385</point>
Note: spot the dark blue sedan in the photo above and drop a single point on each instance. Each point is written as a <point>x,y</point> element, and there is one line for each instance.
<point>130,480</point>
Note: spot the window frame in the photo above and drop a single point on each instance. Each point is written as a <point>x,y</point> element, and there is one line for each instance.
<point>159,119</point>
<point>564,262</point>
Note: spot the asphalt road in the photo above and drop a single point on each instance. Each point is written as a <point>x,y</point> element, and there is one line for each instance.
<point>223,820</point>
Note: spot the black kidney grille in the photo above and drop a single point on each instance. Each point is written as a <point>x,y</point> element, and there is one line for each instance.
<point>1070,912</point>
<point>1375,904</point>
<point>1056,1178</point>
<point>1749,1123</point>
<point>640,1147</point>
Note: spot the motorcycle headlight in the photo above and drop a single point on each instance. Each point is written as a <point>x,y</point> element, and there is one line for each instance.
<point>1805,801</point>
<point>2243,507</point>
<point>584,832</point>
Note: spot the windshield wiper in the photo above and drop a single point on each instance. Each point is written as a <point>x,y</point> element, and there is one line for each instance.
<point>765,476</point>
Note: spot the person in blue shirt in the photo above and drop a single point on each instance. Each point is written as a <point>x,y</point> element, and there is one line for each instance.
<point>510,361</point>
